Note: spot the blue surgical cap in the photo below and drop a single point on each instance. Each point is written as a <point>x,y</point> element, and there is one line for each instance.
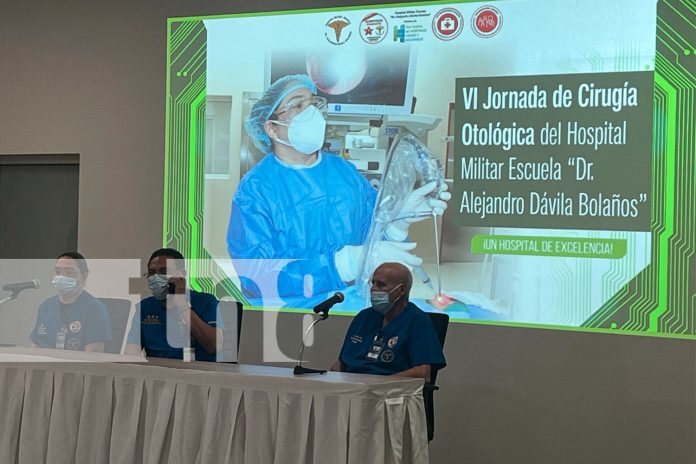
<point>269,102</point>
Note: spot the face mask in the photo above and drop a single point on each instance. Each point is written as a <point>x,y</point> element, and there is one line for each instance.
<point>380,301</point>
<point>306,131</point>
<point>159,285</point>
<point>64,285</point>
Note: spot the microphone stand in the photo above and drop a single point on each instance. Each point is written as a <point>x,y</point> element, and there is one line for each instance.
<point>300,369</point>
<point>16,291</point>
<point>10,298</point>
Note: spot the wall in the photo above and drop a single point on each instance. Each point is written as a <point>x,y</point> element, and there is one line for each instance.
<point>79,76</point>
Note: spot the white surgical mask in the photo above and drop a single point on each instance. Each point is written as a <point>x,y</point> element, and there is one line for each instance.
<point>159,285</point>
<point>64,285</point>
<point>306,131</point>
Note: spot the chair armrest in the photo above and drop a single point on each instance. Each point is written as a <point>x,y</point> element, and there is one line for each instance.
<point>428,393</point>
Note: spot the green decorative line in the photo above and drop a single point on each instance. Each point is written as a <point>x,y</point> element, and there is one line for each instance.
<point>660,300</point>
<point>689,4</point>
<point>182,31</point>
<point>673,32</point>
<point>167,147</point>
<point>184,157</point>
<point>665,236</point>
<point>196,59</point>
<point>184,50</point>
<point>193,178</point>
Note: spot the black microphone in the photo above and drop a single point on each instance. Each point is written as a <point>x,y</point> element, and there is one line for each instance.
<point>325,305</point>
<point>19,286</point>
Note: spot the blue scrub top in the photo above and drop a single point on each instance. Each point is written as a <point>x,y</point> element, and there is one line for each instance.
<point>154,336</point>
<point>409,340</point>
<point>86,321</point>
<point>300,218</point>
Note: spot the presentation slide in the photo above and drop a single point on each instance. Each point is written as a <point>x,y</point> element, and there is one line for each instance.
<point>549,129</point>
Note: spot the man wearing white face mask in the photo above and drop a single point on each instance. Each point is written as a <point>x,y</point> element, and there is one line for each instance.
<point>174,317</point>
<point>74,319</point>
<point>393,336</point>
<point>301,205</point>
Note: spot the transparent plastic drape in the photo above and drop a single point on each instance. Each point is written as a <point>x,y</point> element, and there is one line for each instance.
<point>408,161</point>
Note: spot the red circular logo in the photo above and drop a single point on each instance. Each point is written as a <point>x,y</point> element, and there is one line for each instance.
<point>486,21</point>
<point>447,24</point>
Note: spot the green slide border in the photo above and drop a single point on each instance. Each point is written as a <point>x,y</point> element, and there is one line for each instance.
<point>184,160</point>
<point>660,301</point>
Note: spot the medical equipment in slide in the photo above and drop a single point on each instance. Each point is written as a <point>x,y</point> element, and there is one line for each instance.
<point>408,161</point>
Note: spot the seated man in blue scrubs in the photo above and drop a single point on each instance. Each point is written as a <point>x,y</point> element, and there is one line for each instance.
<point>393,336</point>
<point>73,319</point>
<point>162,326</point>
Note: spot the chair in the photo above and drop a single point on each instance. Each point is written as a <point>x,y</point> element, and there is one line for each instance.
<point>440,322</point>
<point>119,312</point>
<point>231,313</point>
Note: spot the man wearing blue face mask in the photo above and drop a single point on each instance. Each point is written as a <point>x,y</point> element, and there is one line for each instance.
<point>73,319</point>
<point>174,317</point>
<point>393,336</point>
<point>301,211</point>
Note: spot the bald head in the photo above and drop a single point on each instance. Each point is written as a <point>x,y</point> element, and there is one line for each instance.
<point>394,274</point>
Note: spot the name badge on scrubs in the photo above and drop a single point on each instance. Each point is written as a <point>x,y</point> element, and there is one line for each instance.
<point>377,345</point>
<point>60,339</point>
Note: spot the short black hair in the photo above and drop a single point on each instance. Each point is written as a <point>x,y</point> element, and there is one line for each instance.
<point>170,253</point>
<point>81,261</point>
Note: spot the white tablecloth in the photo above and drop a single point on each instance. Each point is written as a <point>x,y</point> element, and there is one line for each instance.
<point>167,411</point>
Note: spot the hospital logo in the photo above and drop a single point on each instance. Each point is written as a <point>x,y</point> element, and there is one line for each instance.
<point>338,31</point>
<point>486,21</point>
<point>413,32</point>
<point>387,356</point>
<point>447,24</point>
<point>373,28</point>
<point>400,33</point>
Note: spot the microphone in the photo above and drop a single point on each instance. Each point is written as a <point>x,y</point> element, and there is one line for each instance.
<point>322,308</point>
<point>19,286</point>
<point>325,305</point>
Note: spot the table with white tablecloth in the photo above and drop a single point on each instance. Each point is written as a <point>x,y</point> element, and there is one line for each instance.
<point>167,411</point>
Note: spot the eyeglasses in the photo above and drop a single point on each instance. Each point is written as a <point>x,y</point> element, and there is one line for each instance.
<point>295,107</point>
<point>67,272</point>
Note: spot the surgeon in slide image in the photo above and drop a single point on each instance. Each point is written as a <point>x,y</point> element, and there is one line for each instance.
<point>300,217</point>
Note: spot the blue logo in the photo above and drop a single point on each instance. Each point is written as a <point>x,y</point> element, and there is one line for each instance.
<point>400,33</point>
